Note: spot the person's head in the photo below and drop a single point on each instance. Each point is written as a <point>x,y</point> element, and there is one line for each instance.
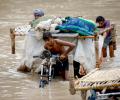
<point>38,13</point>
<point>100,20</point>
<point>47,36</point>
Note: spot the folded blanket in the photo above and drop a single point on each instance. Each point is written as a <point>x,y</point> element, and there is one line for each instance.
<point>77,25</point>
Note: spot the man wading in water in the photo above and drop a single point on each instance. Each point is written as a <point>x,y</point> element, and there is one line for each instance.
<point>57,46</point>
<point>38,13</point>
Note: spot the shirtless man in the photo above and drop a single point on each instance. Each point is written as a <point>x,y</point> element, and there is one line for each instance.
<point>57,46</point>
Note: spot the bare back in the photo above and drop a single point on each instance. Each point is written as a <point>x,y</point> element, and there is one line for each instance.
<point>55,47</point>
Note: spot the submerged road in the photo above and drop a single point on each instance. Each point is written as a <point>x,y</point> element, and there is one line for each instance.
<point>19,86</point>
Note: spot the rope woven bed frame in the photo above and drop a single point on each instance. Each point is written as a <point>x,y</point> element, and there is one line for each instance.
<point>21,31</point>
<point>97,79</point>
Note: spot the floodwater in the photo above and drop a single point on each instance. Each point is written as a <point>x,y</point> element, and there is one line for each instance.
<point>19,86</point>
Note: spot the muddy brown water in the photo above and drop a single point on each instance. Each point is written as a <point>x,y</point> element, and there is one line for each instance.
<point>19,86</point>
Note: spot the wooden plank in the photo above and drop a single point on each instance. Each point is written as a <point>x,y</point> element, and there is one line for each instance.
<point>114,35</point>
<point>69,35</point>
<point>12,36</point>
<point>84,37</point>
<point>97,51</point>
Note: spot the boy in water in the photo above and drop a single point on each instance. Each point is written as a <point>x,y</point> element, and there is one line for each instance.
<point>57,46</point>
<point>102,23</point>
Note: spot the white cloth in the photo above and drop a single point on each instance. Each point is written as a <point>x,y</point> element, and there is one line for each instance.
<point>32,47</point>
<point>33,40</point>
<point>85,53</point>
<point>49,25</point>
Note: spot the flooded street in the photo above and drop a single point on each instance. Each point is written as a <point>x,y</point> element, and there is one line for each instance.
<point>18,86</point>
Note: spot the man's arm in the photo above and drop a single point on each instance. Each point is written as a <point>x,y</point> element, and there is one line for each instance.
<point>102,31</point>
<point>45,46</point>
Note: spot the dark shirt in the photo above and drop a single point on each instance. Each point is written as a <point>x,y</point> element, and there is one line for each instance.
<point>108,36</point>
<point>106,24</point>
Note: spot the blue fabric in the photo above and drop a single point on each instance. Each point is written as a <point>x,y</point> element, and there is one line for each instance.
<point>77,25</point>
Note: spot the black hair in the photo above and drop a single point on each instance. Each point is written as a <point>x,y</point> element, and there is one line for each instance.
<point>47,35</point>
<point>99,19</point>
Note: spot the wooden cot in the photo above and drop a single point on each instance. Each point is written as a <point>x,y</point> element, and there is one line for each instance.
<point>83,83</point>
